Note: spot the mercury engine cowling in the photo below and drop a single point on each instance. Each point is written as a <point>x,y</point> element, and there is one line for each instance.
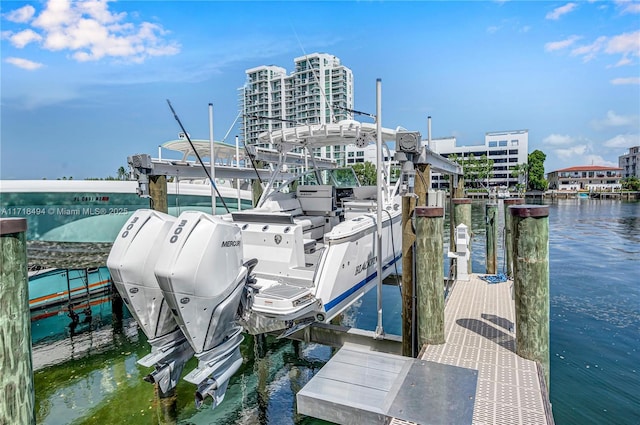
<point>132,261</point>
<point>131,264</point>
<point>201,275</point>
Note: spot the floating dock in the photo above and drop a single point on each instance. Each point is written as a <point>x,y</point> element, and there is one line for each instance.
<point>476,377</point>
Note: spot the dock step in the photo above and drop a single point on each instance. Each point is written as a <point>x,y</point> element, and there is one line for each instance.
<point>362,386</point>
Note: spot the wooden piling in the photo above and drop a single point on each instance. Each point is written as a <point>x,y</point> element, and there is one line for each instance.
<point>166,403</point>
<point>422,184</point>
<point>530,225</point>
<point>491,231</point>
<point>430,275</point>
<point>409,347</point>
<point>158,193</point>
<point>462,215</point>
<point>508,239</point>
<point>17,404</point>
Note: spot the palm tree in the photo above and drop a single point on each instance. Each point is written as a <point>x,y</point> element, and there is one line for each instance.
<point>122,173</point>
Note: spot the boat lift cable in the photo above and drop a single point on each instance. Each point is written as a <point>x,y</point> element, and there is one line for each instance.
<point>393,249</point>
<point>213,184</point>
<point>366,114</point>
<point>262,117</point>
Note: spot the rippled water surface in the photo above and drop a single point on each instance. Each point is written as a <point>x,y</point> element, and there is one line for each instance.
<point>595,341</point>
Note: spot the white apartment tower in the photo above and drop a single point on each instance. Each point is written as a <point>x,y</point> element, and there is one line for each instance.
<point>318,91</point>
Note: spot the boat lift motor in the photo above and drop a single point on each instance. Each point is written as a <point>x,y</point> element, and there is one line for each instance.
<point>462,253</point>
<point>131,264</point>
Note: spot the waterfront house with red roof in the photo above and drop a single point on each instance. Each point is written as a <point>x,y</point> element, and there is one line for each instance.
<point>585,177</point>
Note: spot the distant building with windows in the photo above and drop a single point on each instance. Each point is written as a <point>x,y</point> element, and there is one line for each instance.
<point>585,177</point>
<point>507,149</point>
<point>630,163</point>
<point>318,91</point>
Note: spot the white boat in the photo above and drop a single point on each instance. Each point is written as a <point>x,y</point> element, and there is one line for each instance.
<point>305,253</point>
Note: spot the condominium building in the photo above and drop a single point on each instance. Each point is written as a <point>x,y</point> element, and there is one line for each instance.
<point>630,163</point>
<point>318,91</point>
<point>585,177</point>
<point>507,149</point>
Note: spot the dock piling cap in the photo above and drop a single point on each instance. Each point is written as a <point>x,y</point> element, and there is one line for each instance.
<point>461,201</point>
<point>525,211</point>
<point>12,225</point>
<point>429,212</point>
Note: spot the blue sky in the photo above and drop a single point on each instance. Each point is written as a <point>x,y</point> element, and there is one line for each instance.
<point>83,84</point>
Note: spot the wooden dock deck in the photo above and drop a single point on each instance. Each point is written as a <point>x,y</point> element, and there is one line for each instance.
<point>475,377</point>
<point>480,335</point>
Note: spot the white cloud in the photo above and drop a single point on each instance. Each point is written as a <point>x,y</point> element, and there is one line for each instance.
<point>90,31</point>
<point>588,52</point>
<point>597,160</point>
<point>493,29</point>
<point>614,120</point>
<point>21,15</point>
<point>556,13</point>
<point>562,44</point>
<point>558,140</point>
<point>23,63</point>
<point>626,80</point>
<point>627,44</point>
<point>627,6</point>
<point>24,37</point>
<point>570,152</point>
<point>623,141</point>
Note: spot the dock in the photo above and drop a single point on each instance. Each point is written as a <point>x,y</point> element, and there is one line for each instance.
<point>476,377</point>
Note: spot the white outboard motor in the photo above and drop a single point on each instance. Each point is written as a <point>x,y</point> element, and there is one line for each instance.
<point>131,264</point>
<point>201,274</point>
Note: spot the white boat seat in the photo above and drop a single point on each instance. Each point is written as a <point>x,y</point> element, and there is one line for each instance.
<point>309,246</point>
<point>312,226</point>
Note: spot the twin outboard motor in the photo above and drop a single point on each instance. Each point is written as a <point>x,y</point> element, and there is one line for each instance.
<point>131,263</point>
<point>183,279</point>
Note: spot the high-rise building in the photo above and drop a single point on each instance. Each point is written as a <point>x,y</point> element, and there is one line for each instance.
<point>318,91</point>
<point>507,149</point>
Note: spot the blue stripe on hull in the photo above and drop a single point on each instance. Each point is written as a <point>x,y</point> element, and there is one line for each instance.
<point>334,302</point>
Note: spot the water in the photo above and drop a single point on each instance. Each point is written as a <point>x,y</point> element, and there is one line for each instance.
<point>595,341</point>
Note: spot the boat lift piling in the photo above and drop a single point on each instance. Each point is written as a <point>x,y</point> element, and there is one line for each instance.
<point>158,193</point>
<point>530,225</point>
<point>430,275</point>
<point>508,234</point>
<point>16,380</point>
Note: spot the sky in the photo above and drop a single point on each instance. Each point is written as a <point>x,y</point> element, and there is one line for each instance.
<point>84,84</point>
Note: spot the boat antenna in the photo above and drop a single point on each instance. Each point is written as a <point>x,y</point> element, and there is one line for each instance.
<point>332,117</point>
<point>198,155</point>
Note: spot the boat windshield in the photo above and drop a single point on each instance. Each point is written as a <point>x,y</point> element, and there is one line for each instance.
<point>338,177</point>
